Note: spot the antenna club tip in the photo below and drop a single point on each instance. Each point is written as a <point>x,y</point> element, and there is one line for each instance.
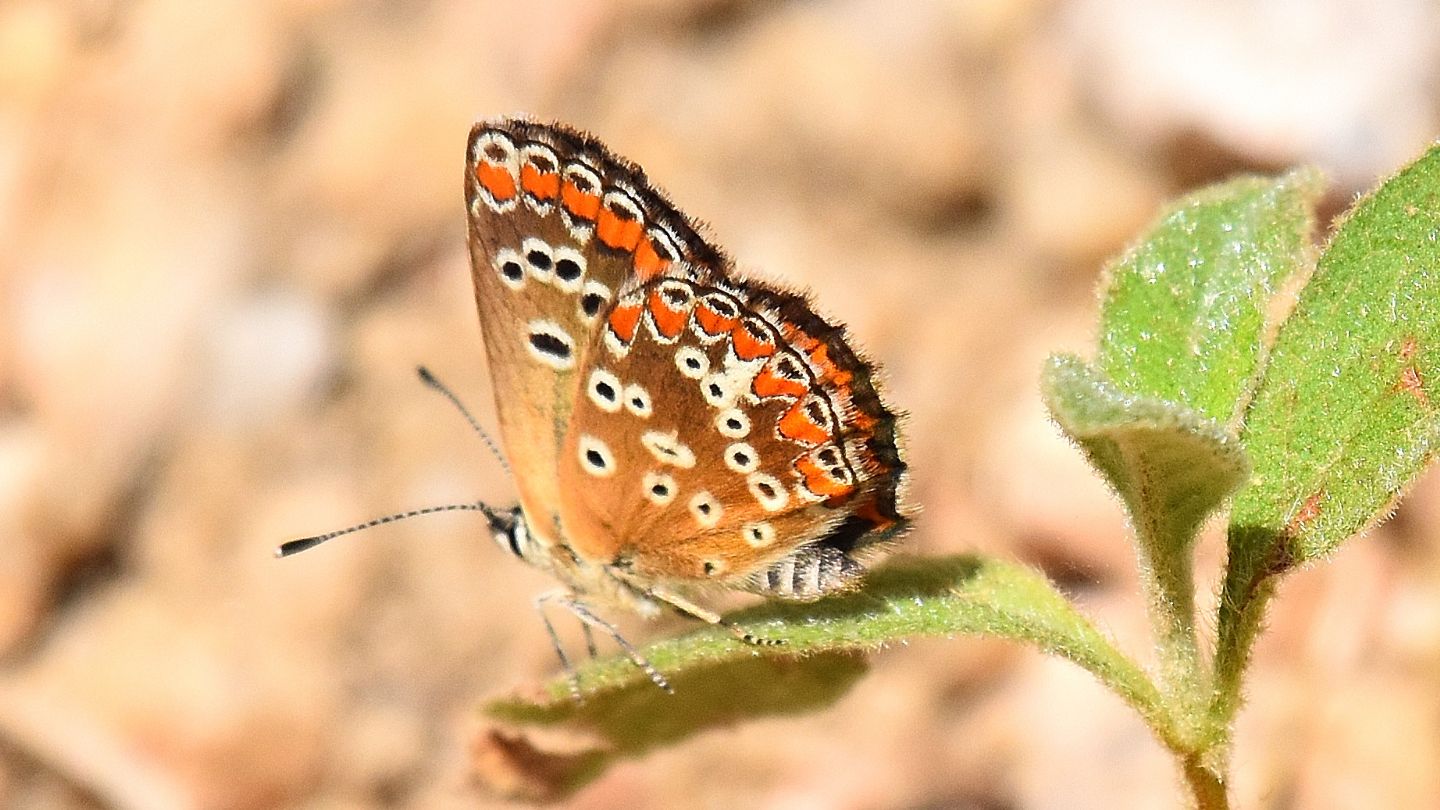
<point>425,375</point>
<point>278,553</point>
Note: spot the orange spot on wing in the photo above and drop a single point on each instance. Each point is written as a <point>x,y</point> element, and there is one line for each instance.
<point>749,346</point>
<point>618,233</point>
<point>669,322</point>
<point>829,371</point>
<point>796,424</point>
<point>770,384</point>
<point>578,203</point>
<point>820,482</point>
<point>496,180</point>
<point>540,185</point>
<point>648,263</point>
<point>623,320</point>
<point>713,322</point>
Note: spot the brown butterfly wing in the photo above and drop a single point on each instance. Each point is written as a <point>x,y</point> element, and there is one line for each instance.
<point>722,427</point>
<point>557,227</point>
<point>661,415</point>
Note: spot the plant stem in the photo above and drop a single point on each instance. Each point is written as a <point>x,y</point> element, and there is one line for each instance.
<point>1206,786</point>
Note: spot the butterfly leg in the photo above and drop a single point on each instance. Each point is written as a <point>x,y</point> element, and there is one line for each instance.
<point>687,608</point>
<point>571,675</point>
<point>582,612</point>
<point>589,641</point>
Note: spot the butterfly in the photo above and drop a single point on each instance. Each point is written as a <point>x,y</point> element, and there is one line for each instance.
<point>672,427</point>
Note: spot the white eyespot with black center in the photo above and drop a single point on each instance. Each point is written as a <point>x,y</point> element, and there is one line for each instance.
<point>732,423</point>
<point>713,568</point>
<point>593,298</point>
<point>659,488</point>
<point>668,449</point>
<point>768,491</point>
<point>595,457</point>
<point>510,268</point>
<point>538,258</point>
<point>705,509</point>
<point>742,458</point>
<point>549,343</point>
<point>637,401</point>
<point>692,362</point>
<point>603,388</point>
<point>569,269</point>
<point>715,388</point>
<point>758,535</point>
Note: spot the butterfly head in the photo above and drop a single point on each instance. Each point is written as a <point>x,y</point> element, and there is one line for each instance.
<point>508,530</point>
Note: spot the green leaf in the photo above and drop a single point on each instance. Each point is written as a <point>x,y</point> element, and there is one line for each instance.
<point>719,680</point>
<point>1172,467</point>
<point>1344,420</point>
<point>1185,312</point>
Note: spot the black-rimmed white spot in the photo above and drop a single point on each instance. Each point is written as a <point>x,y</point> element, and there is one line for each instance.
<point>715,388</point>
<point>510,268</point>
<point>741,458</point>
<point>692,362</point>
<point>668,449</point>
<point>595,457</point>
<point>539,259</point>
<point>705,509</point>
<point>549,343</point>
<point>637,401</point>
<point>732,423</point>
<point>603,389</point>
<point>758,535</point>
<point>593,298</point>
<point>569,269</point>
<point>768,491</point>
<point>659,488</point>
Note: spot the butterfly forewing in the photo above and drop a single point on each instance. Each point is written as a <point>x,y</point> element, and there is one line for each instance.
<point>557,226</point>
<point>662,415</point>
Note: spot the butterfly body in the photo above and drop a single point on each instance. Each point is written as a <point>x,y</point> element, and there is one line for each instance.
<point>671,425</point>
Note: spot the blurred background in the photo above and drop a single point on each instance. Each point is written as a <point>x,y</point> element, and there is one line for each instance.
<point>232,229</point>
